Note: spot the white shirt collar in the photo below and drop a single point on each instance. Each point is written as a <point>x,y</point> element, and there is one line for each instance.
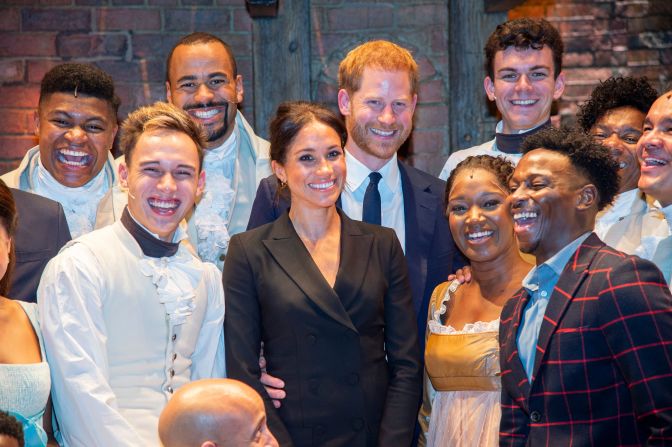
<point>622,206</point>
<point>500,128</point>
<point>358,173</point>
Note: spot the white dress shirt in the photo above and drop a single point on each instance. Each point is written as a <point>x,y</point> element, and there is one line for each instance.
<point>619,225</point>
<point>391,194</point>
<point>122,331</point>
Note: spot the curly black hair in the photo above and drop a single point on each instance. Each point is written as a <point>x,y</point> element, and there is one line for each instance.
<point>524,33</point>
<point>499,166</point>
<point>588,157</point>
<point>10,427</point>
<point>84,79</point>
<point>613,93</point>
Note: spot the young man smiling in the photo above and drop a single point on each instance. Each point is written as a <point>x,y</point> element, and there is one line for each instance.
<point>202,79</point>
<point>524,77</point>
<point>128,313</point>
<point>76,122</point>
<point>585,344</point>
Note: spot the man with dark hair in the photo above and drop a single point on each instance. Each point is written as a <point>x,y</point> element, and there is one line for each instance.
<point>585,344</point>
<point>128,313</point>
<point>76,123</point>
<point>71,168</point>
<point>523,77</point>
<point>614,116</point>
<point>11,432</point>
<point>202,78</point>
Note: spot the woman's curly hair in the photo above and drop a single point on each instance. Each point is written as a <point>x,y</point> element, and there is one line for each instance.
<point>499,166</point>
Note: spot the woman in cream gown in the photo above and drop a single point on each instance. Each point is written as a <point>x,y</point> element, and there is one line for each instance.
<point>462,384</point>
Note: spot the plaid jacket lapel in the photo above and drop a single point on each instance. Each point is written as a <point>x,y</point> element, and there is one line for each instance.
<point>572,276</point>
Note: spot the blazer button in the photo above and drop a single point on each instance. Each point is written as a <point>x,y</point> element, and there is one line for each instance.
<point>174,337</point>
<point>222,257</point>
<point>357,424</point>
<point>535,416</point>
<point>353,379</point>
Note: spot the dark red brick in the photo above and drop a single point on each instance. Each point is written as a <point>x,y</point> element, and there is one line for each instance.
<point>197,2</point>
<point>638,58</point>
<point>526,11</point>
<point>38,68</point>
<point>18,121</point>
<point>429,141</point>
<point>162,2</point>
<point>631,9</point>
<point>29,44</point>
<point>241,20</point>
<point>15,147</point>
<point>584,59</point>
<point>425,67</point>
<point>91,45</point>
<point>128,2</point>
<point>419,16</point>
<point>6,166</point>
<point>34,19</point>
<point>92,2</point>
<point>197,19</point>
<point>144,19</point>
<point>9,19</point>
<point>19,96</point>
<point>431,116</point>
<point>11,71</point>
<point>153,44</point>
<point>432,91</point>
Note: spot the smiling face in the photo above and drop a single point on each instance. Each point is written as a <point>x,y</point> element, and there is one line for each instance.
<point>163,180</point>
<point>619,130</point>
<point>76,135</point>
<point>314,167</point>
<point>201,81</point>
<point>479,216</point>
<point>378,116</point>
<point>524,88</point>
<point>654,151</point>
<point>546,198</point>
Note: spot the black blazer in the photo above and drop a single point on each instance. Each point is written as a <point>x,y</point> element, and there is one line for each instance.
<point>40,233</point>
<point>349,355</point>
<point>430,251</point>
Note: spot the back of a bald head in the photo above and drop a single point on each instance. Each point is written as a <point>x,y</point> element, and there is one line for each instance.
<point>210,412</point>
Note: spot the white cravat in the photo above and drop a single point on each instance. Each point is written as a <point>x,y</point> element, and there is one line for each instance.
<point>79,204</point>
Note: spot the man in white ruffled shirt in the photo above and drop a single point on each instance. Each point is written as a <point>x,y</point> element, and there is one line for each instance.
<point>128,313</point>
<point>76,123</point>
<point>654,151</point>
<point>614,116</point>
<point>202,78</point>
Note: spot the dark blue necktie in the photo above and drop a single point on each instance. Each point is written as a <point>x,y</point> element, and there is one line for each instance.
<point>371,208</point>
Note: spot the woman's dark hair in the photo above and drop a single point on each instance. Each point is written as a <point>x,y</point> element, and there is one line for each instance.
<point>589,158</point>
<point>291,117</point>
<point>499,166</point>
<point>8,222</point>
<point>613,93</point>
<point>10,427</point>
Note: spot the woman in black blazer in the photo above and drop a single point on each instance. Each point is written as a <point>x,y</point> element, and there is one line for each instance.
<point>329,298</point>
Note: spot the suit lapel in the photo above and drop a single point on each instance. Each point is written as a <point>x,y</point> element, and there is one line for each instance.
<point>355,255</point>
<point>289,252</point>
<point>510,347</point>
<point>571,278</point>
<point>419,205</point>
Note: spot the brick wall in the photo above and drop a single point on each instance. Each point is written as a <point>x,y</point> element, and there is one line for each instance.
<point>130,40</point>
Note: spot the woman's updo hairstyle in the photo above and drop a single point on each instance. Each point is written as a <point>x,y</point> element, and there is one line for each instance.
<point>499,166</point>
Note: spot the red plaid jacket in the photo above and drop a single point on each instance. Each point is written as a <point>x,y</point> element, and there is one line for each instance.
<point>603,367</point>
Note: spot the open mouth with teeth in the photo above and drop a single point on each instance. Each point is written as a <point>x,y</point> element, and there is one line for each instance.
<point>654,162</point>
<point>164,207</point>
<point>324,186</point>
<point>523,102</point>
<point>479,236</point>
<point>523,220</point>
<point>383,133</point>
<point>74,158</point>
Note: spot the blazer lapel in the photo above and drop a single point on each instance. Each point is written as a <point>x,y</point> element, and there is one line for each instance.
<point>289,252</point>
<point>510,347</point>
<point>355,255</point>
<point>419,205</point>
<point>571,278</point>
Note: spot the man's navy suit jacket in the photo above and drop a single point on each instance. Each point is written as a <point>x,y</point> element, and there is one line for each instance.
<point>430,251</point>
<point>41,232</point>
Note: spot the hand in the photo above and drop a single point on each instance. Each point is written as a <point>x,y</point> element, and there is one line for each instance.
<point>462,275</point>
<point>273,385</point>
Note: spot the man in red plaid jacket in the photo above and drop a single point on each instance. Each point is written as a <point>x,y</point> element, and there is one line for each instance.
<point>586,344</point>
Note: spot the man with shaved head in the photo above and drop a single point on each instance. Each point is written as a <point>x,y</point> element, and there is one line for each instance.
<point>215,413</point>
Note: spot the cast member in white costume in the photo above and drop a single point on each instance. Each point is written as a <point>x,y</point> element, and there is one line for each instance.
<point>202,78</point>
<point>128,313</point>
<point>76,122</point>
